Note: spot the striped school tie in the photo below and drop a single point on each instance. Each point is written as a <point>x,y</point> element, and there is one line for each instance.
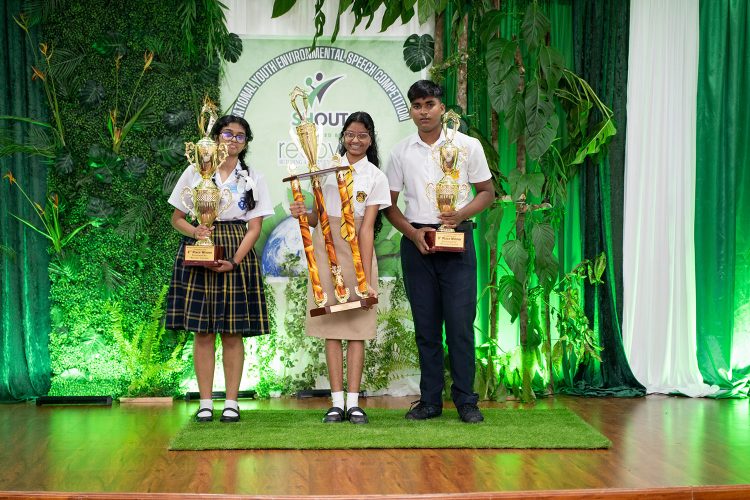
<point>349,191</point>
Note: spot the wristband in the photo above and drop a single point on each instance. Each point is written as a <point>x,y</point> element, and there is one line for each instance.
<point>234,264</point>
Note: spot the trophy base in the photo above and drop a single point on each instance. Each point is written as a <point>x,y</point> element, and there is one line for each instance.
<point>355,304</point>
<point>443,241</point>
<point>202,256</point>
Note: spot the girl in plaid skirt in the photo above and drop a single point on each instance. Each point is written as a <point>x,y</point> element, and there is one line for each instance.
<point>226,299</point>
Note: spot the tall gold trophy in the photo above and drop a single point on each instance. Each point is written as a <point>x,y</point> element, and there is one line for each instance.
<point>447,192</point>
<point>307,135</point>
<point>205,198</point>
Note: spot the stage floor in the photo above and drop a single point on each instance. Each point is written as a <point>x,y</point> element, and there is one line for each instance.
<point>663,447</point>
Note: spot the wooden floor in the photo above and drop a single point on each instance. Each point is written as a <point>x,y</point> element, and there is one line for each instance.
<point>663,447</point>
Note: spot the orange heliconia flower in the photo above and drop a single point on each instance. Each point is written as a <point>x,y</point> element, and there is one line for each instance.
<point>148,58</point>
<point>38,74</point>
<point>9,175</point>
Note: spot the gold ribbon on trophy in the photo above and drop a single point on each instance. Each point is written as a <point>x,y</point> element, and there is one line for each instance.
<point>447,192</point>
<point>307,134</point>
<point>206,156</point>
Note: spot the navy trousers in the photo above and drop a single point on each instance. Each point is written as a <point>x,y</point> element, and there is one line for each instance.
<point>442,290</point>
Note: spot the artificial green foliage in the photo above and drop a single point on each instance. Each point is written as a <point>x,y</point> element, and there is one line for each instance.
<point>124,264</point>
<point>149,370</point>
<point>419,50</point>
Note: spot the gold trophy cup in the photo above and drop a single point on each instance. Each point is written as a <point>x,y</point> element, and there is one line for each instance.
<point>206,199</point>
<point>447,192</point>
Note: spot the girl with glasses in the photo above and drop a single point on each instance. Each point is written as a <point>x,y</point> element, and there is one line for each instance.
<point>369,194</point>
<point>226,299</point>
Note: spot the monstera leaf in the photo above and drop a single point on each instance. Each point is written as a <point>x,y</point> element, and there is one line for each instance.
<point>91,94</point>
<point>419,51</point>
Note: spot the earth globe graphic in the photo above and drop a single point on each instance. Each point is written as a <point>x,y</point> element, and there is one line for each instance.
<point>283,244</point>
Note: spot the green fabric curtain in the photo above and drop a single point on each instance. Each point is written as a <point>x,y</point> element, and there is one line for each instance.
<point>722,208</point>
<point>24,282</point>
<point>600,36</point>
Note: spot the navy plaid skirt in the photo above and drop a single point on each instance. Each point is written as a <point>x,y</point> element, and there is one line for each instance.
<point>203,301</point>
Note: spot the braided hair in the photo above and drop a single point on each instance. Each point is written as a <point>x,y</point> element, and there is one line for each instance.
<point>222,122</point>
<point>372,151</point>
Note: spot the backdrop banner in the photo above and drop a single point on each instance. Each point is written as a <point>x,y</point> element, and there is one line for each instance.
<point>355,75</point>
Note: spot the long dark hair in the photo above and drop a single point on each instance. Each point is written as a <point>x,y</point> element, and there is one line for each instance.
<point>216,130</point>
<point>372,152</point>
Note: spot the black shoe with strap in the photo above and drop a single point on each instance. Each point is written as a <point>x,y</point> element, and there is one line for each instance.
<point>334,415</point>
<point>357,415</point>
<point>200,415</point>
<point>470,413</point>
<point>421,410</point>
<point>230,415</point>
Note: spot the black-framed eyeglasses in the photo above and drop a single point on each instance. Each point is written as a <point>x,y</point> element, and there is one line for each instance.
<point>362,136</point>
<point>227,135</point>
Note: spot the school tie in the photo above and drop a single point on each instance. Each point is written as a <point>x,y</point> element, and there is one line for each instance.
<point>349,179</point>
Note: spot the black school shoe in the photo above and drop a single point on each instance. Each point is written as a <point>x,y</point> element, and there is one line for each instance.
<point>209,418</point>
<point>229,415</point>
<point>470,413</point>
<point>334,415</point>
<point>422,411</point>
<point>357,419</point>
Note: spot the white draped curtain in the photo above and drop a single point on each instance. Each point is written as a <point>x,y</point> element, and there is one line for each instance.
<point>659,323</point>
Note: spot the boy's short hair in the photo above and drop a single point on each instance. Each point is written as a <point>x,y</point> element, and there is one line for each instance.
<point>424,88</point>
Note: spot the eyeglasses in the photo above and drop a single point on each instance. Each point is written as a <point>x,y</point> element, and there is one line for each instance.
<point>227,135</point>
<point>362,136</point>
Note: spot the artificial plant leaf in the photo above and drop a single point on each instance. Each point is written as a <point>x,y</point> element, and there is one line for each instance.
<point>511,295</point>
<point>534,182</point>
<point>64,163</point>
<point>538,107</point>
<point>418,51</point>
<point>175,120</point>
<point>517,258</point>
<point>232,49</point>
<point>170,181</point>
<point>111,44</point>
<point>100,157</point>
<point>535,26</point>
<point>91,94</point>
<point>391,14</point>
<point>543,238</point>
<point>551,64</point>
<point>99,209</point>
<point>539,141</point>
<point>515,118</point>
<point>599,266</point>
<point>135,167</point>
<point>137,218</point>
<point>593,144</point>
<point>426,9</point>
<point>514,180</point>
<point>490,24</point>
<point>281,7</point>
<point>169,151</point>
<point>500,58</point>
<point>144,116</point>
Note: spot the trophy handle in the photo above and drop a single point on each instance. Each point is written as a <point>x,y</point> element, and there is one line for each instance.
<point>221,154</point>
<point>189,152</point>
<point>294,95</point>
<point>188,192</point>
<point>431,187</point>
<point>451,123</point>
<point>463,193</point>
<point>228,204</point>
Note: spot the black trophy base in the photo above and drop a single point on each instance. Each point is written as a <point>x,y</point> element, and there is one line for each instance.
<point>346,306</point>
<point>202,256</point>
<point>445,241</point>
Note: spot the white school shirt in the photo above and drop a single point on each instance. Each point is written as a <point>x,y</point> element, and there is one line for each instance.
<point>237,210</point>
<point>412,167</point>
<point>370,187</point>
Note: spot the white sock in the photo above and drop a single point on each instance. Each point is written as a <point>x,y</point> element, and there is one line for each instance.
<point>230,403</point>
<point>204,405</point>
<point>338,399</point>
<point>352,400</point>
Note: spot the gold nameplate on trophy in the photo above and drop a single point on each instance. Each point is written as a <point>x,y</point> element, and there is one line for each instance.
<point>442,241</point>
<point>202,255</point>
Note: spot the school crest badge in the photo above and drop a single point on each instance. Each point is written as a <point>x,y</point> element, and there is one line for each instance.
<point>361,196</point>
